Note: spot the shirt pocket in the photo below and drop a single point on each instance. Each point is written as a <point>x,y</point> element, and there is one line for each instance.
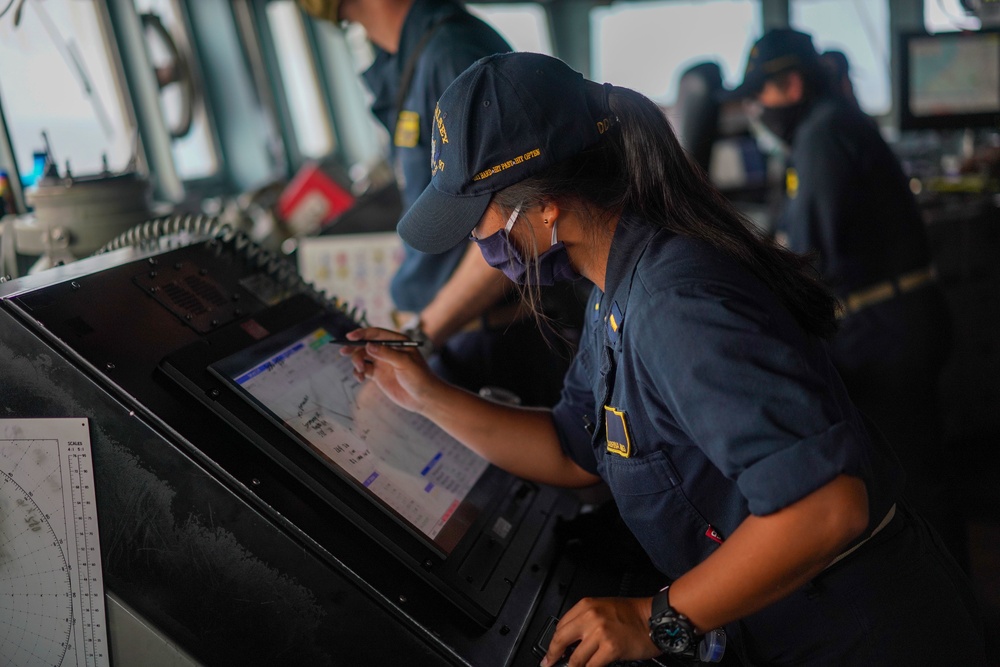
<point>653,504</point>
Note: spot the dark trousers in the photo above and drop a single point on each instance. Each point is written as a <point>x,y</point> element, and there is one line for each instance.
<point>900,600</point>
<point>890,357</point>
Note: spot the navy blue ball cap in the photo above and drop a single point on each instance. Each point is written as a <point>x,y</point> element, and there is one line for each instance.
<point>778,50</point>
<point>507,117</point>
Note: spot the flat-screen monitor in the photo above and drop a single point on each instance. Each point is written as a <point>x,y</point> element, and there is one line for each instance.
<point>416,472</point>
<point>279,380</point>
<point>950,80</point>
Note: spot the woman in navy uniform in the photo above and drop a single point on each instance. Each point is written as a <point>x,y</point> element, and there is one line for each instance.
<point>703,392</point>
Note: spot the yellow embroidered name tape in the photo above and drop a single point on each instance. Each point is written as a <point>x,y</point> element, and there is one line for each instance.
<point>617,430</point>
<point>791,183</point>
<point>407,129</point>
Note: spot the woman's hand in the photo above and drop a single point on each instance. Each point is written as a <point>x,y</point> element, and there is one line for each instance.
<point>400,372</point>
<point>522,441</point>
<point>607,629</point>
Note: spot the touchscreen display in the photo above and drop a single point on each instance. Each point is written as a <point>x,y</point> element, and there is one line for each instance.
<point>955,74</point>
<point>401,459</point>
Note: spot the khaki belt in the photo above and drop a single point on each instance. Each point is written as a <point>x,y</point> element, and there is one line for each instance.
<point>885,290</point>
<point>882,524</point>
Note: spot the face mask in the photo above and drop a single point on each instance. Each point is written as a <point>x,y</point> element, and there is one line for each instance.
<point>500,253</point>
<point>783,121</point>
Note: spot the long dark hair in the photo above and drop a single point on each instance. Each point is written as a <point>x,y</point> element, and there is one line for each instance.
<point>639,167</point>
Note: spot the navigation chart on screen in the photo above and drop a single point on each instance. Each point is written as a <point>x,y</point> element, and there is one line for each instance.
<point>400,457</point>
<point>955,75</point>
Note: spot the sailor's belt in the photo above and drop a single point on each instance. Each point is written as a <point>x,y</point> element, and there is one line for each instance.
<point>885,290</point>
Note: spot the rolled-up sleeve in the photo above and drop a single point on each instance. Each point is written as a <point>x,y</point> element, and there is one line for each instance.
<point>755,395</point>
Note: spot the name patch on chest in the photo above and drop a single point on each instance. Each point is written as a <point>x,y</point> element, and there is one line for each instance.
<point>791,183</point>
<point>407,129</point>
<point>617,430</point>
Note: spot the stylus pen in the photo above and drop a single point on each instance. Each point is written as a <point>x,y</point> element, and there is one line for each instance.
<point>387,343</point>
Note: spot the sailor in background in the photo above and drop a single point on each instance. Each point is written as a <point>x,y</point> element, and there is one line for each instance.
<point>848,205</point>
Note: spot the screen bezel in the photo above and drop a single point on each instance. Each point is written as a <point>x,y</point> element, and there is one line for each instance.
<point>477,589</point>
<point>476,502</point>
<point>908,120</point>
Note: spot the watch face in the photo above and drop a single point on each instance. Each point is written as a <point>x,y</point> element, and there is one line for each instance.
<point>670,636</point>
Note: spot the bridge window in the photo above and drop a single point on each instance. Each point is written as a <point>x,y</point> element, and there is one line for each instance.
<point>178,76</point>
<point>647,46</point>
<point>299,80</point>
<point>948,16</point>
<point>861,31</point>
<point>343,55</point>
<point>57,75</point>
<point>524,25</point>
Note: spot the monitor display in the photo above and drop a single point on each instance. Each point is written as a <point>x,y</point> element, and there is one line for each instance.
<point>416,472</point>
<point>950,80</point>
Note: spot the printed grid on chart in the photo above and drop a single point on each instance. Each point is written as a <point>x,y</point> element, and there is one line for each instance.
<point>51,584</point>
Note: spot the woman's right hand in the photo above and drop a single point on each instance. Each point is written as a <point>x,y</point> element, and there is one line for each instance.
<point>488,428</point>
<point>400,372</point>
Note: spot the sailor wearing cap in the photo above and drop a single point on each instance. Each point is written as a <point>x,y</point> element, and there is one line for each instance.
<point>702,393</point>
<point>848,205</point>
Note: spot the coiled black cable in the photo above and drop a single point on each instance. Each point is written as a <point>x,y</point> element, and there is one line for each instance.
<point>220,234</point>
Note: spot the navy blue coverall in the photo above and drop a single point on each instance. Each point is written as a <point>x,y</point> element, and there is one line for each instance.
<point>699,399</point>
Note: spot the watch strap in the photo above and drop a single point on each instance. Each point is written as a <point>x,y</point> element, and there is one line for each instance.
<point>662,614</point>
<point>661,602</point>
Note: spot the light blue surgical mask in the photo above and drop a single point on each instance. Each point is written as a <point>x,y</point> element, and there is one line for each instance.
<point>501,253</point>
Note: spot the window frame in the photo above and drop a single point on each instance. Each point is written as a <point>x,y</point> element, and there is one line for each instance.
<point>218,180</point>
<point>270,76</point>
<point>130,117</point>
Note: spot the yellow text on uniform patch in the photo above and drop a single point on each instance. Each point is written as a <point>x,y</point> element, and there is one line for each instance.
<point>791,183</point>
<point>617,430</point>
<point>407,129</point>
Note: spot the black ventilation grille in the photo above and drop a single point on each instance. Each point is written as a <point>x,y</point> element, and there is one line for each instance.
<point>206,291</point>
<point>183,299</point>
<point>189,292</point>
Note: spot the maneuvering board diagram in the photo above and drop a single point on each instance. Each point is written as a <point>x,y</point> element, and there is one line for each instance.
<point>51,586</point>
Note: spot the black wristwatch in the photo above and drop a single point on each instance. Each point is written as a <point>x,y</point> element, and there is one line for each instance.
<point>669,629</point>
